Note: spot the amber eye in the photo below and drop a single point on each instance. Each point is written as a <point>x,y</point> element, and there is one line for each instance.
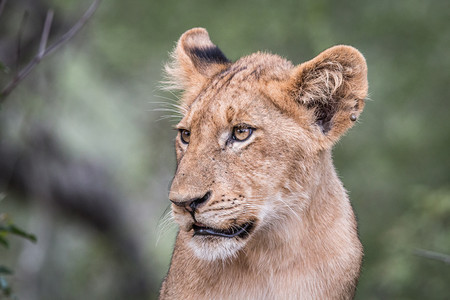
<point>185,136</point>
<point>242,133</point>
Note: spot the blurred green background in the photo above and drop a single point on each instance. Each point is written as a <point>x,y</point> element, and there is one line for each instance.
<point>86,157</point>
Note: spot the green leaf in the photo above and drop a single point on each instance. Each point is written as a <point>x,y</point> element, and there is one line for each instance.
<point>4,242</point>
<point>13,229</point>
<point>5,270</point>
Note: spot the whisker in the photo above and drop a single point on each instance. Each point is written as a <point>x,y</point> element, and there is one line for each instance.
<point>167,109</point>
<point>284,204</point>
<point>171,101</point>
<point>167,98</point>
<point>177,118</point>
<point>164,224</point>
<point>178,107</point>
<point>173,94</point>
<point>290,208</point>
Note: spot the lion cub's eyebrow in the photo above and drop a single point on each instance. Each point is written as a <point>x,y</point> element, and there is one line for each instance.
<point>230,113</point>
<point>184,123</point>
<point>240,116</point>
<point>180,126</point>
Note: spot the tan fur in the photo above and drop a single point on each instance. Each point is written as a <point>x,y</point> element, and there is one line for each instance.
<point>304,243</point>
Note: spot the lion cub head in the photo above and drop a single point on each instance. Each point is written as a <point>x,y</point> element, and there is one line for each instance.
<point>252,137</point>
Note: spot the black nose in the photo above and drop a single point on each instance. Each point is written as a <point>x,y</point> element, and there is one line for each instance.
<point>193,204</point>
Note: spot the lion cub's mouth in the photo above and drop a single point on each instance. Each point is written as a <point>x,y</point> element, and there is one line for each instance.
<point>237,231</point>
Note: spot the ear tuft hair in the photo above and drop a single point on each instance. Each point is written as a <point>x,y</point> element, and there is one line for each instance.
<point>333,84</point>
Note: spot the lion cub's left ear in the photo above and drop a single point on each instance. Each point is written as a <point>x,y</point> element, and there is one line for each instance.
<point>333,87</point>
<point>194,60</point>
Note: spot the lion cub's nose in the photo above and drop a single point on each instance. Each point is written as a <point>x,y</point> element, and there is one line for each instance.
<point>194,203</point>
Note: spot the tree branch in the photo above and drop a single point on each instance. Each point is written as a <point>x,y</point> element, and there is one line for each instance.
<point>433,255</point>
<point>74,30</point>
<point>43,51</point>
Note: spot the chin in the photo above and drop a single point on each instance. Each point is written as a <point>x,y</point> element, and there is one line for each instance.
<point>212,248</point>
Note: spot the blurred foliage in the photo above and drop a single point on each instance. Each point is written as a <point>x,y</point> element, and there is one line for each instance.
<point>7,228</point>
<point>98,96</point>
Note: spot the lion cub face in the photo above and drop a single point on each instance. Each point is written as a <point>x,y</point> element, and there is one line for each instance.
<point>234,151</point>
<point>251,135</point>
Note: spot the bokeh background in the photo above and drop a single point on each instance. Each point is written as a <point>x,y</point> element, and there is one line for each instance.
<point>86,153</point>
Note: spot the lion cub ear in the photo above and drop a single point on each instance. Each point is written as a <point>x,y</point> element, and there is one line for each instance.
<point>333,87</point>
<point>194,60</point>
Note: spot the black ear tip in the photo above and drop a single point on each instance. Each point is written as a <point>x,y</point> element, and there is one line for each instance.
<point>197,44</point>
<point>208,54</point>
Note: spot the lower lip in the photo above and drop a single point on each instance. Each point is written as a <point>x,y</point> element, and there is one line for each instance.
<point>242,232</point>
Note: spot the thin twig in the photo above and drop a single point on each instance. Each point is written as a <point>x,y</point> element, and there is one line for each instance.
<point>63,39</point>
<point>45,33</point>
<point>2,5</point>
<point>433,255</point>
<point>75,28</point>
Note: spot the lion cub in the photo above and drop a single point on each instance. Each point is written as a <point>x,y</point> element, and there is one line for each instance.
<point>261,211</point>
